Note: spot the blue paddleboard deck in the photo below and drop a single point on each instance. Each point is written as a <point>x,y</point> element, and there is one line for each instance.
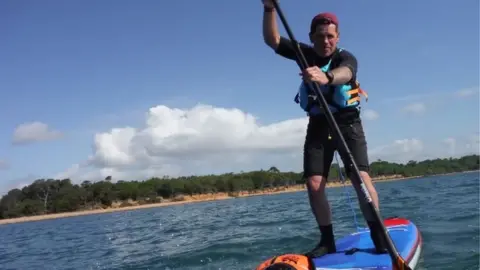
<point>356,251</point>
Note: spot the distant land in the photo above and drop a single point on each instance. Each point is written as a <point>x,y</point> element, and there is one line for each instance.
<point>55,198</point>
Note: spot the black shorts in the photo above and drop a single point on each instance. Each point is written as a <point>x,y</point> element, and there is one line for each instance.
<point>319,149</point>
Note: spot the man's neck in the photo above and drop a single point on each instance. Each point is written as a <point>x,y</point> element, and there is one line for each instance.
<point>327,56</point>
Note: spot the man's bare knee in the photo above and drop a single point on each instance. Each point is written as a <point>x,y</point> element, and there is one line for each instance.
<point>371,188</point>
<point>316,183</point>
<point>367,179</point>
<point>365,176</point>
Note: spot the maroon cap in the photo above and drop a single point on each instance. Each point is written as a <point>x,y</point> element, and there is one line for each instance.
<point>323,18</point>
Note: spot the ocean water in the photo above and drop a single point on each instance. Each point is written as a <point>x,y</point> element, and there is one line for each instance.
<point>240,233</point>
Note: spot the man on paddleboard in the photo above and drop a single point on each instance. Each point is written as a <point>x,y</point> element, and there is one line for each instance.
<point>335,70</point>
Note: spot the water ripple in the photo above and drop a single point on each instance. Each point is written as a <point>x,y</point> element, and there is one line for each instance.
<point>240,233</point>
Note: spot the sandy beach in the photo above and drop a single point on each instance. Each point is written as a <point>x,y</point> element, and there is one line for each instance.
<point>187,199</point>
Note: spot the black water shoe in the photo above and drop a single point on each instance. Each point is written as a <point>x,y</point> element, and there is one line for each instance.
<point>322,248</point>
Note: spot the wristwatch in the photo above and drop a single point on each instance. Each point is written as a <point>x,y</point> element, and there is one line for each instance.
<point>329,75</point>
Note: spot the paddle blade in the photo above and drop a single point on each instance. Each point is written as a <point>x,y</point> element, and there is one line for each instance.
<point>400,264</point>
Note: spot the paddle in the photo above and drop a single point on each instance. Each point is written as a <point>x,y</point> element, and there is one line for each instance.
<point>397,261</point>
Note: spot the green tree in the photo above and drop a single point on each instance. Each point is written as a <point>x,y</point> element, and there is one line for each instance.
<point>56,196</point>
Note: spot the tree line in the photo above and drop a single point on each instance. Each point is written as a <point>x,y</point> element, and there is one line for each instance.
<point>46,196</point>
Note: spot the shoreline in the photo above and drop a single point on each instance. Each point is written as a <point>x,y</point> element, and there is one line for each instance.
<point>199,198</point>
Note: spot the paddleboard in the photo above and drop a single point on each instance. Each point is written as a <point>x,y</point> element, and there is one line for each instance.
<point>356,250</point>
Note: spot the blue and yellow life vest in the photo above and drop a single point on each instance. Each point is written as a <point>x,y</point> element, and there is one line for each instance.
<point>338,97</point>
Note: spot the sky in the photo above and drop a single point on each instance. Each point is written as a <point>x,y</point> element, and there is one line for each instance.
<point>135,89</point>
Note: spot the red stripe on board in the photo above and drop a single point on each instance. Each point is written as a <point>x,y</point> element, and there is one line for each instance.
<point>418,242</point>
<point>395,222</point>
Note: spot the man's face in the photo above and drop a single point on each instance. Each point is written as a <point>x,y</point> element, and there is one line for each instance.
<point>325,39</point>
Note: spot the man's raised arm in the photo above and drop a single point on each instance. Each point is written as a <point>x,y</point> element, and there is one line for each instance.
<point>271,36</point>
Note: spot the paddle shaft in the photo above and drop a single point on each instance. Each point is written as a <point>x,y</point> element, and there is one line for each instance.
<point>356,179</point>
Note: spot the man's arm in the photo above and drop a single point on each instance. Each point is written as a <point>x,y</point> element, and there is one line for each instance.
<point>281,45</point>
<point>346,70</point>
<point>270,28</point>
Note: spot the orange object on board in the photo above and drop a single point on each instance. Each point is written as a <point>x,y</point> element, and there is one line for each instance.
<point>287,261</point>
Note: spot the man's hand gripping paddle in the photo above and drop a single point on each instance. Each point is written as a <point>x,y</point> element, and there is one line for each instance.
<point>398,262</point>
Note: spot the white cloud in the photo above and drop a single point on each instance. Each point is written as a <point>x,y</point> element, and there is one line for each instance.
<point>415,149</point>
<point>202,139</point>
<point>473,142</point>
<point>398,151</point>
<point>467,92</point>
<point>433,96</point>
<point>34,132</point>
<point>370,114</point>
<point>415,108</point>
<point>450,143</point>
<point>206,140</point>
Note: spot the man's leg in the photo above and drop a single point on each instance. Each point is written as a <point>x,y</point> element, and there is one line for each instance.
<point>318,156</point>
<point>370,187</point>
<point>355,138</point>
